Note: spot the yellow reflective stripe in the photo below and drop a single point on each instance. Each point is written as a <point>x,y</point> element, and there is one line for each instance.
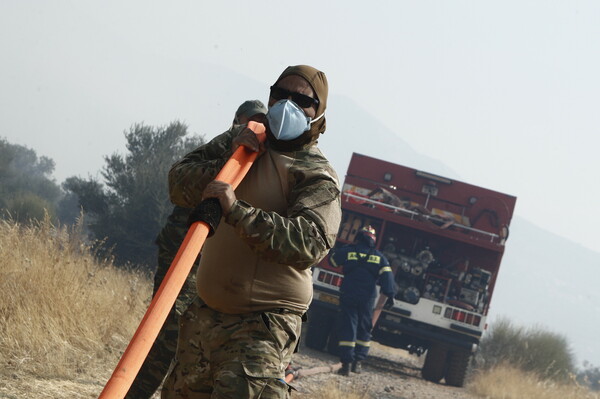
<point>385,269</point>
<point>363,343</point>
<point>347,343</point>
<point>374,259</point>
<point>352,256</point>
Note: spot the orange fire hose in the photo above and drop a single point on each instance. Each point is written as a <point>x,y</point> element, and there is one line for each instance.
<point>378,308</point>
<point>119,383</point>
<point>300,373</point>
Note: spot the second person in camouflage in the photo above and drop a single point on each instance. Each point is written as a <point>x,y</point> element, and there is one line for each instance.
<point>157,363</point>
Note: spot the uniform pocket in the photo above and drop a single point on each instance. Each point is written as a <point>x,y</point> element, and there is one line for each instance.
<point>263,384</point>
<point>260,370</point>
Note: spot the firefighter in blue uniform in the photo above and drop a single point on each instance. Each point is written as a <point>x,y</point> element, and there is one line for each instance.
<point>363,267</point>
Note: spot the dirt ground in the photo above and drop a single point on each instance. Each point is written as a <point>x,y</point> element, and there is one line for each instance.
<point>388,373</point>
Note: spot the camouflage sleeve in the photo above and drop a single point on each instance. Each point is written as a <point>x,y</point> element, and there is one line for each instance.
<point>306,234</point>
<point>188,177</point>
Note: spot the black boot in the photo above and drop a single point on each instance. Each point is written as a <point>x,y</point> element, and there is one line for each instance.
<point>345,370</point>
<point>356,367</point>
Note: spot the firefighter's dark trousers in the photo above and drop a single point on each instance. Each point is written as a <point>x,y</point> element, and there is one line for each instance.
<point>354,328</point>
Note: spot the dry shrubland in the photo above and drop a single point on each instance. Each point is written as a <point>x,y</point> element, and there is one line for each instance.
<point>66,316</point>
<point>508,382</point>
<point>526,362</point>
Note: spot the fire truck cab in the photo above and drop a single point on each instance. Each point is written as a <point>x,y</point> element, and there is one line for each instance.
<point>444,240</point>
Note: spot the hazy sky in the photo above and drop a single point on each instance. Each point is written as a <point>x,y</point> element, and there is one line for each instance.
<point>505,93</point>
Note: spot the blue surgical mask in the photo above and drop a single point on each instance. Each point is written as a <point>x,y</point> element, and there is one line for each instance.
<point>288,121</point>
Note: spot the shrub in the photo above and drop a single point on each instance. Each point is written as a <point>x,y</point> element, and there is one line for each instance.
<point>26,184</point>
<point>26,207</point>
<point>530,349</point>
<point>589,376</point>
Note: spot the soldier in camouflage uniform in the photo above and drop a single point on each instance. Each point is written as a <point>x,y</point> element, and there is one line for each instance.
<point>254,280</point>
<point>169,240</point>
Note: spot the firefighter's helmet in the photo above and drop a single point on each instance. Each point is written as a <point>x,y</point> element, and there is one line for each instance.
<point>368,233</point>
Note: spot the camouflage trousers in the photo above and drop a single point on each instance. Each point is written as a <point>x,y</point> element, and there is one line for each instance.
<point>232,356</point>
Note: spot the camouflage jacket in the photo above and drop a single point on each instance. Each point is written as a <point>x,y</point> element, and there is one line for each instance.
<point>287,214</point>
<point>313,183</point>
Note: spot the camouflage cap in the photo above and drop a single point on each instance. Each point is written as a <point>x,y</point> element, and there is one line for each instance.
<point>250,108</point>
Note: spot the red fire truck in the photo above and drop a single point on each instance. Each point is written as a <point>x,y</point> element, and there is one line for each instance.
<point>444,240</point>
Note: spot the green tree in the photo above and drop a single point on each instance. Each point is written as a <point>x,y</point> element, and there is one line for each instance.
<point>128,208</point>
<point>27,189</point>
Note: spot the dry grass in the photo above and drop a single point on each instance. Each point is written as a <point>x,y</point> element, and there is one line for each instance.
<point>506,382</point>
<point>334,390</point>
<point>63,314</point>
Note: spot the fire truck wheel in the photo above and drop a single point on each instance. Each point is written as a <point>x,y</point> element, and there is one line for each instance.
<point>320,323</point>
<point>458,364</point>
<point>435,363</point>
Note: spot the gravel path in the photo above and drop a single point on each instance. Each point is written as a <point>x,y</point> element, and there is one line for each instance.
<point>388,373</point>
